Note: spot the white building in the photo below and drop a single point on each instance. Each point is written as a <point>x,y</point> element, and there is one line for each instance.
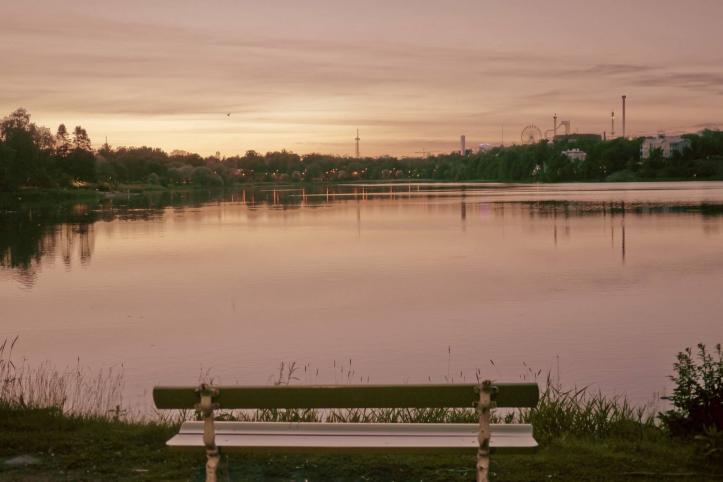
<point>668,145</point>
<point>575,154</point>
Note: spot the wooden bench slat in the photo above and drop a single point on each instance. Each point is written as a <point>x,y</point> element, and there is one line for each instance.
<point>354,437</point>
<point>349,396</point>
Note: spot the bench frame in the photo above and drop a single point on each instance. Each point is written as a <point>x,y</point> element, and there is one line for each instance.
<point>207,396</point>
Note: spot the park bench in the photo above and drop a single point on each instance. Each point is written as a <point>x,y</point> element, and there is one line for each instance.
<point>268,437</point>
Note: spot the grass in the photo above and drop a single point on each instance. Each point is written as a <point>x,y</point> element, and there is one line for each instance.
<point>76,391</point>
<point>88,448</point>
<point>73,423</point>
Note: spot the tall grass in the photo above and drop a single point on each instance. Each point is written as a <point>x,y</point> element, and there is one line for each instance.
<point>76,391</point>
<point>579,411</point>
<point>560,412</point>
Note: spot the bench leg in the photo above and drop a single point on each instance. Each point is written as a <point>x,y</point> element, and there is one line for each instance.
<point>213,459</point>
<point>206,407</point>
<point>483,452</point>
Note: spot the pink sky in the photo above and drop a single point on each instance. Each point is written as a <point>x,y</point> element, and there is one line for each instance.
<point>411,75</point>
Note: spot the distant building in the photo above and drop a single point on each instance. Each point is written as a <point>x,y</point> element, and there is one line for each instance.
<point>575,154</point>
<point>667,144</point>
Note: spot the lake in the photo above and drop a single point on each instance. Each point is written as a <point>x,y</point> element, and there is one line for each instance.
<point>595,284</point>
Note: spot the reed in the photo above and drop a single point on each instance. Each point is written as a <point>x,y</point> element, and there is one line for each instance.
<point>75,391</point>
<point>561,412</point>
<point>581,412</point>
<point>80,392</point>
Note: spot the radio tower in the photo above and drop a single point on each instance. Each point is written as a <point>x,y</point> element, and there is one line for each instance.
<point>357,143</point>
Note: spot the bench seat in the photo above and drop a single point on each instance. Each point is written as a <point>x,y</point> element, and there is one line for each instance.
<point>352,437</point>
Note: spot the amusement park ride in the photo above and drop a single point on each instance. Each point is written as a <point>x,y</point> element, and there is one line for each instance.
<point>532,134</point>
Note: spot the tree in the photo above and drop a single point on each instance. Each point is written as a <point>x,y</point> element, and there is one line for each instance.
<point>80,139</point>
<point>62,141</point>
<point>17,121</point>
<point>21,160</point>
<point>206,177</point>
<point>654,163</point>
<point>80,165</point>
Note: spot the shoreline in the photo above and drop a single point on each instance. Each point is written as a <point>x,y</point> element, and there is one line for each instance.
<point>145,189</point>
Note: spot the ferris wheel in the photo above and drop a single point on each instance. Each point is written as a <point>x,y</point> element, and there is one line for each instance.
<point>531,135</point>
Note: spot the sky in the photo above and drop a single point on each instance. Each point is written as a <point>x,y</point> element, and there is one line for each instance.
<point>411,75</point>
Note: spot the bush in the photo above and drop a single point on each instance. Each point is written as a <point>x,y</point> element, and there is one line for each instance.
<point>153,178</point>
<point>698,395</point>
<point>622,176</point>
<point>206,177</point>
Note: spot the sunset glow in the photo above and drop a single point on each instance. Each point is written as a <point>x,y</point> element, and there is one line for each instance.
<point>410,75</point>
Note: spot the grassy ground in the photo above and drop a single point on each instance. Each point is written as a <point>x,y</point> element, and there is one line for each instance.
<point>62,425</point>
<point>82,448</point>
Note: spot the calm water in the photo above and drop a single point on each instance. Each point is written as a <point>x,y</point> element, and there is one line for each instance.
<point>601,284</point>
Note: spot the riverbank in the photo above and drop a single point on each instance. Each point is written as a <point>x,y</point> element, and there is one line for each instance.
<point>47,445</point>
<point>73,425</point>
<point>91,193</point>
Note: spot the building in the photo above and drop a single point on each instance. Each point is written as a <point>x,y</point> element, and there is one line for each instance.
<point>575,154</point>
<point>667,144</point>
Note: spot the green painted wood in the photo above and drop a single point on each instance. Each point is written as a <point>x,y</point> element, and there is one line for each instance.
<point>349,396</point>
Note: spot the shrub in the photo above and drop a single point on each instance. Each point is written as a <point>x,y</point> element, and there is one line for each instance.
<point>698,395</point>
<point>622,176</point>
<point>206,177</point>
<point>153,178</point>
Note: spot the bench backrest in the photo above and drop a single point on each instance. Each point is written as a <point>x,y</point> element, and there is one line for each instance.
<point>517,395</point>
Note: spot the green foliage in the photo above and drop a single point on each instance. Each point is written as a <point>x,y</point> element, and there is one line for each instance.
<point>698,394</point>
<point>624,175</point>
<point>153,178</point>
<point>31,156</point>
<point>710,445</point>
<point>80,165</point>
<point>583,436</point>
<point>577,412</point>
<point>206,177</point>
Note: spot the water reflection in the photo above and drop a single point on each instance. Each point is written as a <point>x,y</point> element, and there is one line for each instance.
<point>612,278</point>
<point>39,233</point>
<point>30,236</point>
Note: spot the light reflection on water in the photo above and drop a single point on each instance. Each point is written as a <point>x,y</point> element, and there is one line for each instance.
<point>409,282</point>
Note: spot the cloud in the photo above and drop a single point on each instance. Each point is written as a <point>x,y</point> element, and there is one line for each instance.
<point>160,73</point>
<point>705,80</point>
<point>617,69</point>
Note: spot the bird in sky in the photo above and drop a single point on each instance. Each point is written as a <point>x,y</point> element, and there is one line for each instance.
<point>228,115</point>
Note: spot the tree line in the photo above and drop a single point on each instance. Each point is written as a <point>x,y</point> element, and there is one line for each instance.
<point>33,156</point>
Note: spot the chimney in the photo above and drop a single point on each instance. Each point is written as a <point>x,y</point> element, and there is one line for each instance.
<point>624,116</point>
<point>462,145</point>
